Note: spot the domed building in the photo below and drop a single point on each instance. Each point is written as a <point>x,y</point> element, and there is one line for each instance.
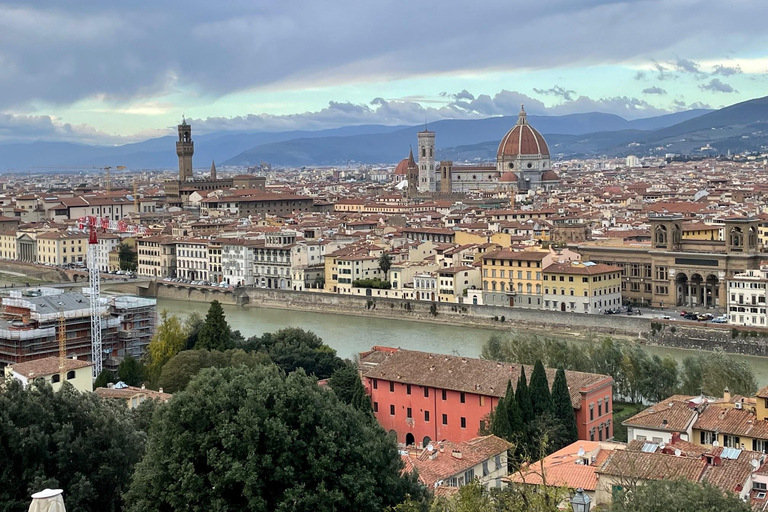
<point>522,164</point>
<point>524,153</point>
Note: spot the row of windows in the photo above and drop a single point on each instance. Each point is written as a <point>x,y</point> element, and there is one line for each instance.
<point>444,393</point>
<point>600,403</point>
<point>409,414</point>
<point>500,263</point>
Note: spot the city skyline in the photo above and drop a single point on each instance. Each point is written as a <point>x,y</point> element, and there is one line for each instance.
<point>122,73</point>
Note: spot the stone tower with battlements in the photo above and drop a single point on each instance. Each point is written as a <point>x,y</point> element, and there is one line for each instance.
<point>185,148</point>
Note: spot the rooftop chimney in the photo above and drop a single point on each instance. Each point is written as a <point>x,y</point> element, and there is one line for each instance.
<point>726,395</point>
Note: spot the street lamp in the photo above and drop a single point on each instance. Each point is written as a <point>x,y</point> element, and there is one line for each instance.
<point>580,501</point>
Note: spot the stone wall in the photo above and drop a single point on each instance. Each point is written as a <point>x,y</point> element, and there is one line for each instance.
<point>710,336</point>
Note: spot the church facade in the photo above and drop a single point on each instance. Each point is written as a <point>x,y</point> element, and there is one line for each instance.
<point>522,164</point>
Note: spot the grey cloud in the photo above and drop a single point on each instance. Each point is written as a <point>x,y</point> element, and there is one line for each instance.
<point>24,128</point>
<point>679,104</point>
<point>640,75</point>
<point>715,85</point>
<point>654,90</point>
<point>687,66</point>
<point>463,95</point>
<point>61,52</point>
<point>561,92</point>
<point>727,70</point>
<point>663,72</point>
<point>699,104</point>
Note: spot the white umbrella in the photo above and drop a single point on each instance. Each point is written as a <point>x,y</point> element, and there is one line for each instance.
<point>48,500</point>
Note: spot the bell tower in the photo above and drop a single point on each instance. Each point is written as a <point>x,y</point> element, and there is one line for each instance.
<point>413,177</point>
<point>427,175</point>
<point>185,148</point>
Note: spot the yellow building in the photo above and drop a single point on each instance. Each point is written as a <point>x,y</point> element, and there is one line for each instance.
<point>8,245</point>
<point>581,287</point>
<point>701,231</point>
<point>514,278</point>
<point>61,248</point>
<point>156,256</point>
<point>77,372</point>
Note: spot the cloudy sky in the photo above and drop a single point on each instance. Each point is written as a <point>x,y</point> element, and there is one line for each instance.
<point>114,72</point>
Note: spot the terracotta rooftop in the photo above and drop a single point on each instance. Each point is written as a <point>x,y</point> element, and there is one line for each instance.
<point>478,376</point>
<point>672,415</point>
<point>441,464</point>
<point>47,366</point>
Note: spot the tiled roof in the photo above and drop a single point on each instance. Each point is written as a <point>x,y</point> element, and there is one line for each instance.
<point>46,366</point>
<point>441,464</point>
<point>566,467</point>
<point>652,466</point>
<point>478,376</point>
<point>728,420</point>
<point>674,415</point>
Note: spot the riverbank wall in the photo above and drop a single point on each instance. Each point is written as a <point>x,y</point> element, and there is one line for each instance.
<point>671,333</point>
<point>738,340</point>
<point>397,309</point>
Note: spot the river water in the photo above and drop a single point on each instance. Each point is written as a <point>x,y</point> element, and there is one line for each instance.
<point>351,334</point>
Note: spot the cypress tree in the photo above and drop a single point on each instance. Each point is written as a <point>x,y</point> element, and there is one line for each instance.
<point>563,408</point>
<point>516,425</point>
<point>215,334</point>
<point>500,421</point>
<point>540,396</point>
<point>523,398</point>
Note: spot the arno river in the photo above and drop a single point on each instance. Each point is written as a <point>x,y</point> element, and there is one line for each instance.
<point>350,334</point>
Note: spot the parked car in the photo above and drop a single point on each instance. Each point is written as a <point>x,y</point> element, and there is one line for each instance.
<point>723,319</point>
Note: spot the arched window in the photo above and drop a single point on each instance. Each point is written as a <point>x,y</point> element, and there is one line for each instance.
<point>55,378</point>
<point>70,374</point>
<point>661,235</point>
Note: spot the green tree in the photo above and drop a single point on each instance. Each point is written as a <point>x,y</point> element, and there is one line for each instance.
<point>215,333</point>
<point>292,348</point>
<point>474,497</point>
<point>678,496</point>
<point>711,372</point>
<point>385,263</point>
<point>563,408</point>
<point>169,340</point>
<point>131,371</point>
<point>523,398</point>
<point>127,257</point>
<point>345,382</point>
<point>103,379</point>
<point>192,325</point>
<point>255,439</point>
<point>184,366</point>
<point>500,425</point>
<point>539,389</point>
<point>75,441</point>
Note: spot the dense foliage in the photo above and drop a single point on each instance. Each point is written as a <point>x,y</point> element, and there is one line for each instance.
<point>184,366</point>
<point>638,376</point>
<point>127,257</point>
<point>677,496</point>
<point>293,348</point>
<point>215,334</point>
<point>372,283</point>
<point>535,430</point>
<point>256,439</point>
<point>70,440</point>
<point>131,371</point>
<point>345,382</point>
<point>169,339</point>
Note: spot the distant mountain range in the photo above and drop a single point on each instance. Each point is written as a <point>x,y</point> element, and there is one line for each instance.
<point>743,126</point>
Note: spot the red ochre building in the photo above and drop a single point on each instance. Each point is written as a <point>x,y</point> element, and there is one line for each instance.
<point>424,397</point>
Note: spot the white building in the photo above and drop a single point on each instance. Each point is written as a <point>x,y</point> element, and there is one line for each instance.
<point>107,242</point>
<point>237,262</point>
<point>192,259</point>
<point>273,259</point>
<point>425,286</point>
<point>746,298</point>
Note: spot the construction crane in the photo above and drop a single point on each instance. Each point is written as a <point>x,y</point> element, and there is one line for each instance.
<point>107,178</point>
<point>95,277</point>
<point>62,346</point>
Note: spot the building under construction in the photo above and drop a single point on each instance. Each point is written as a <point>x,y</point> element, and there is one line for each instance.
<point>30,320</point>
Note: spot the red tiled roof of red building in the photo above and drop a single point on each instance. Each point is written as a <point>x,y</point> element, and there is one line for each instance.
<point>477,376</point>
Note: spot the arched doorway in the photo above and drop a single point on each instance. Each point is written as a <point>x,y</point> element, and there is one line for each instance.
<point>409,439</point>
<point>697,290</point>
<point>682,289</point>
<point>425,442</point>
<point>711,291</point>
<point>562,306</point>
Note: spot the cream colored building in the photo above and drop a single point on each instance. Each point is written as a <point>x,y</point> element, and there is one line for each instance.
<point>8,245</point>
<point>61,248</point>
<point>156,256</point>
<point>77,372</point>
